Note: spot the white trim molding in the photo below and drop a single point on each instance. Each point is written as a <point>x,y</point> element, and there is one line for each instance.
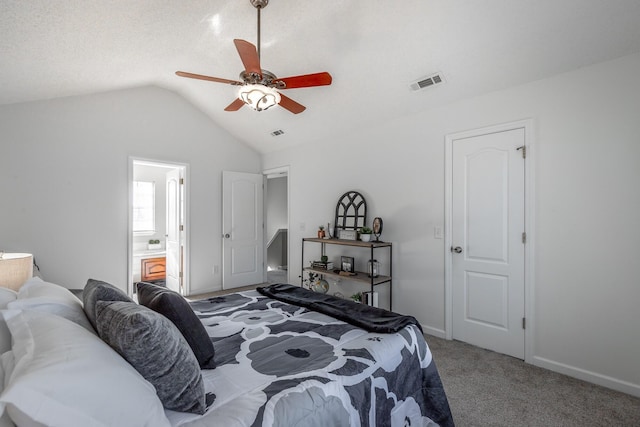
<point>589,376</point>
<point>439,333</point>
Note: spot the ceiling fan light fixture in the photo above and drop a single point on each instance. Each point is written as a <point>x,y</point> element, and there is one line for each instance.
<point>259,97</point>
<point>258,87</point>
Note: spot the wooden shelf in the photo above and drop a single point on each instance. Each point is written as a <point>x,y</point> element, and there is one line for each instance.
<point>359,277</point>
<point>344,242</point>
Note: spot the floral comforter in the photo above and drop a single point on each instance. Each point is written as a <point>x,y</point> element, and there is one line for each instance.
<point>283,365</point>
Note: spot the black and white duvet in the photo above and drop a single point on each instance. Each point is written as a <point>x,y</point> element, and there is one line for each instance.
<point>279,364</point>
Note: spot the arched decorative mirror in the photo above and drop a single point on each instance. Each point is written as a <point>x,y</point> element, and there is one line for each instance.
<point>351,215</point>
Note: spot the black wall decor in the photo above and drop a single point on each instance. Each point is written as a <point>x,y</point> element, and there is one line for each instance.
<point>351,212</point>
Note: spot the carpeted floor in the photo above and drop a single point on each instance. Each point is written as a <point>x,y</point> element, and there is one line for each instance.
<point>485,388</point>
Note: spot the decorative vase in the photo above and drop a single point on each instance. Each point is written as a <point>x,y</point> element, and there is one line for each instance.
<point>365,237</point>
<point>321,234</point>
<point>321,286</point>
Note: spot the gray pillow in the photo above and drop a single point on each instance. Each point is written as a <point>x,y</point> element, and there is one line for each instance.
<point>97,290</point>
<point>155,347</point>
<point>175,308</point>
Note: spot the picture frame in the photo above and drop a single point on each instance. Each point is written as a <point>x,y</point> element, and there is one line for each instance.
<point>347,264</point>
<point>347,234</point>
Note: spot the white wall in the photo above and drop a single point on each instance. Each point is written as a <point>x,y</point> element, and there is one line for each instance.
<point>64,171</point>
<point>586,320</point>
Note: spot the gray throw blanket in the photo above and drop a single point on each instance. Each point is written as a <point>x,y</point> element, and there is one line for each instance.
<point>369,318</point>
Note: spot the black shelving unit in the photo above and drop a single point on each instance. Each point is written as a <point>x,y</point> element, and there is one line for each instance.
<point>361,276</point>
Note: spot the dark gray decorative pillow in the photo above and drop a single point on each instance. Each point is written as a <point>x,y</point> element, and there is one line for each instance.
<point>155,347</point>
<point>97,290</point>
<point>175,308</point>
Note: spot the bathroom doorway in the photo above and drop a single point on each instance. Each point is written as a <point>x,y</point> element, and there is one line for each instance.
<point>158,226</point>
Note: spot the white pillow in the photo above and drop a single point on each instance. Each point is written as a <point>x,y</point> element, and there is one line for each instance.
<point>39,295</point>
<point>6,296</point>
<point>54,305</point>
<point>5,421</point>
<point>64,375</point>
<point>6,365</point>
<point>36,287</point>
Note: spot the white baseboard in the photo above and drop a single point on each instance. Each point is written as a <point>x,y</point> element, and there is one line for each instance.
<point>592,377</point>
<point>433,331</point>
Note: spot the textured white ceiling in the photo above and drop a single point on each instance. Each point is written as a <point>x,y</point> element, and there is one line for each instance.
<point>373,50</point>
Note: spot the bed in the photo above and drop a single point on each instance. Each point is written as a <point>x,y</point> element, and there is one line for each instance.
<point>269,357</point>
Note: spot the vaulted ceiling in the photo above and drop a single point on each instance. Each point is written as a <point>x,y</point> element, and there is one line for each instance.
<point>373,49</point>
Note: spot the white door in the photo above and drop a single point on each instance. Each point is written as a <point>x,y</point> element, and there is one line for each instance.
<point>242,228</point>
<point>174,233</point>
<point>487,225</point>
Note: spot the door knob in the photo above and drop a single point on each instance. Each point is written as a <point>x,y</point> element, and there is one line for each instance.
<point>457,249</point>
<point>226,236</point>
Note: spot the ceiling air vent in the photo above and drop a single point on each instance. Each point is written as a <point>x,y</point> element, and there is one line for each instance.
<point>277,132</point>
<point>427,82</point>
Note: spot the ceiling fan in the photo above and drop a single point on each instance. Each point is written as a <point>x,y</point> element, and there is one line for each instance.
<point>260,89</point>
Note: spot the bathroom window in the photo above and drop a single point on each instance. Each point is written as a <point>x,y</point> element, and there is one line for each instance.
<point>144,207</point>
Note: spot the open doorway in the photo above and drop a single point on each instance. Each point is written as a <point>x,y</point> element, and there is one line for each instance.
<point>157,226</point>
<point>277,225</point>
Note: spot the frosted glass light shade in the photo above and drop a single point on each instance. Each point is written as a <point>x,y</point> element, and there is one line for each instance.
<point>15,269</point>
<point>259,97</point>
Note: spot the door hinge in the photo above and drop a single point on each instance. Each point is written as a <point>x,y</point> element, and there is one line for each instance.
<point>181,181</point>
<point>180,275</point>
<point>524,237</point>
<point>524,323</point>
<point>524,151</point>
<point>181,227</point>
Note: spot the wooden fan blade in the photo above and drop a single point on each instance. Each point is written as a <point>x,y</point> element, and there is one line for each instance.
<point>208,78</point>
<point>235,105</point>
<point>291,105</point>
<point>307,80</point>
<point>249,56</point>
